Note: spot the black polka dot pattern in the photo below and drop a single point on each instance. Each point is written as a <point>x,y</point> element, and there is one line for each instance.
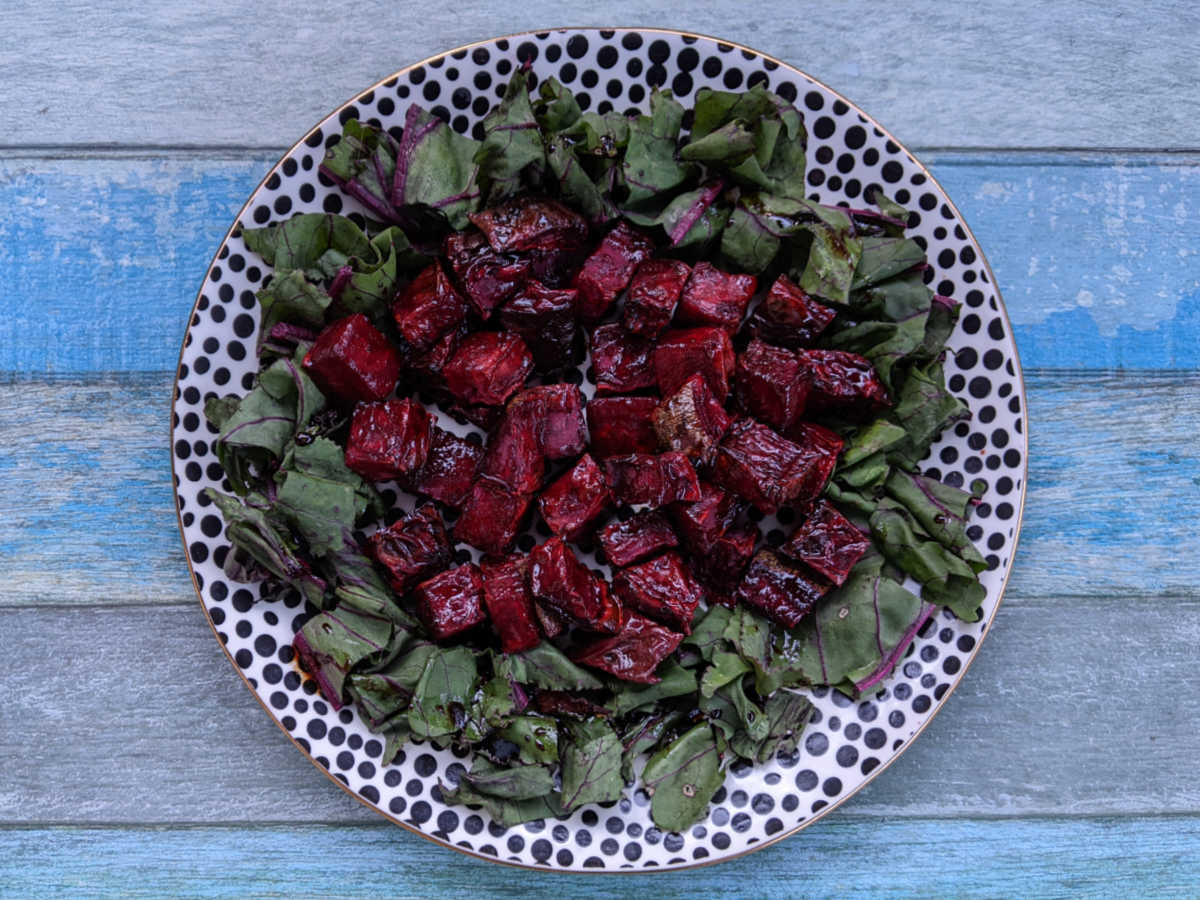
<point>849,158</point>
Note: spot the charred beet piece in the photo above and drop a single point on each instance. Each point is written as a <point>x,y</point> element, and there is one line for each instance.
<point>622,362</point>
<point>702,523</point>
<point>555,412</point>
<point>433,360</point>
<point>388,440</point>
<point>682,354</point>
<point>639,537</point>
<point>721,567</point>
<point>488,278</point>
<point>566,703</point>
<point>488,368</point>
<point>608,270</point>
<point>713,297</point>
<point>661,588</point>
<point>779,590</point>
<point>449,469</point>
<point>634,653</point>
<point>558,579</point>
<point>789,317</point>
<point>572,503</point>
<point>691,421</point>
<point>827,543</point>
<point>451,602</point>
<point>822,447</point>
<point>760,466</point>
<point>545,319</point>
<point>353,360</point>
<point>525,223</point>
<point>428,308</point>
<point>552,621</point>
<point>622,425</point>
<point>769,386</point>
<point>652,479</point>
<point>412,549</point>
<point>514,455</point>
<point>556,268</point>
<point>842,383</point>
<point>509,605</point>
<point>491,517</point>
<point>652,296</point>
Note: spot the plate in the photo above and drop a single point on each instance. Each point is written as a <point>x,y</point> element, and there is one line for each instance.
<point>847,743</point>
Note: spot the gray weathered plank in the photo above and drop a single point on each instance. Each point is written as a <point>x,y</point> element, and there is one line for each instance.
<point>260,74</point>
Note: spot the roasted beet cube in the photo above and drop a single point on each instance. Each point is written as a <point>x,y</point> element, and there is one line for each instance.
<point>428,307</point>
<point>488,368</point>
<point>760,466</point>
<point>552,621</point>
<point>514,454</point>
<point>691,421</point>
<point>353,360</point>
<point>558,579</point>
<point>449,469</point>
<point>556,413</point>
<point>622,425</point>
<point>608,270</point>
<point>572,503</point>
<point>769,386</point>
<point>661,588</point>
<point>545,319</point>
<point>491,516</point>
<point>789,317</point>
<point>822,447</point>
<point>845,384</point>
<point>651,479</point>
<point>488,278</point>
<point>451,602</point>
<point>509,604</point>
<point>721,567</point>
<point>413,548</point>
<point>827,542</point>
<point>634,653</point>
<point>557,267</point>
<point>433,360</point>
<point>778,589</point>
<point>638,537</point>
<point>388,440</point>
<point>652,296</point>
<point>701,524</point>
<point>713,297</point>
<point>622,362</point>
<point>531,223</point>
<point>682,354</point>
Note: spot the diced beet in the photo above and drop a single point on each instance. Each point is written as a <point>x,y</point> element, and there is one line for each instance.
<point>557,267</point>
<point>556,413</point>
<point>388,440</point>
<point>509,604</point>
<point>637,538</point>
<point>842,383</point>
<point>622,425</point>
<point>691,421</point>
<point>488,278</point>
<point>721,567</point>
<point>514,454</point>
<point>433,360</point>
<point>682,354</point>
<point>822,447</point>
<point>545,319</point>
<point>779,590</point>
<point>488,368</point>
<point>789,317</point>
<point>652,295</point>
<point>559,579</point>
<point>827,542</point>
<point>531,223</point>
<point>621,362</point>
<point>572,503</point>
<point>701,524</point>
<point>634,653</point>
<point>413,548</point>
<point>769,386</point>
<point>761,466</point>
<point>353,360</point>
<point>451,602</point>
<point>713,297</point>
<point>449,469</point>
<point>661,588</point>
<point>568,703</point>
<point>652,479</point>
<point>608,270</point>
<point>491,516</point>
<point>552,621</point>
<point>428,307</point>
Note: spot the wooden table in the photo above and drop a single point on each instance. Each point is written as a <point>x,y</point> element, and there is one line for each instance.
<point>136,763</point>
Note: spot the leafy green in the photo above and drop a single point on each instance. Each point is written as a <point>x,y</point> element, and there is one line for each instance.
<point>682,777</point>
<point>940,509</point>
<point>591,764</point>
<point>644,734</point>
<point>506,812</point>
<point>547,667</point>
<point>536,738</point>
<point>675,681</point>
<point>519,782</point>
<point>924,409</point>
<point>301,241</point>
<point>708,632</point>
<point>334,642</point>
<point>382,696</point>
<point>787,714</point>
<point>440,701</point>
<point>320,497</point>
<point>883,257</point>
<point>726,667</point>
<point>650,168</point>
<point>512,140</point>
<point>879,435</point>
<point>832,259</point>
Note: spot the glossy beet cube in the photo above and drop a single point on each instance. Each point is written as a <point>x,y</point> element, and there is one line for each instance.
<point>621,362</point>
<point>821,447</point>
<point>682,354</point>
<point>545,319</point>
<point>531,223</point>
<point>621,425</point>
<point>789,317</point>
<point>514,455</point>
<point>451,602</point>
<point>691,421</point>
<point>575,500</point>
<point>768,385</point>
<point>651,479</point>
<point>556,414</point>
<point>779,590</point>
<point>353,360</point>
<point>713,297</point>
<point>638,537</point>
<point>491,517</point>
<point>557,267</point>
<point>433,360</point>
<point>558,579</point>
<point>761,466</point>
<point>844,384</point>
<point>388,440</point>
<point>413,548</point>
<point>428,307</point>
<point>509,603</point>
<point>488,368</point>
<point>449,469</point>
<point>633,653</point>
<point>488,278</point>
<point>608,270</point>
<point>661,588</point>
<point>652,296</point>
<point>722,566</point>
<point>827,542</point>
<point>701,524</point>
